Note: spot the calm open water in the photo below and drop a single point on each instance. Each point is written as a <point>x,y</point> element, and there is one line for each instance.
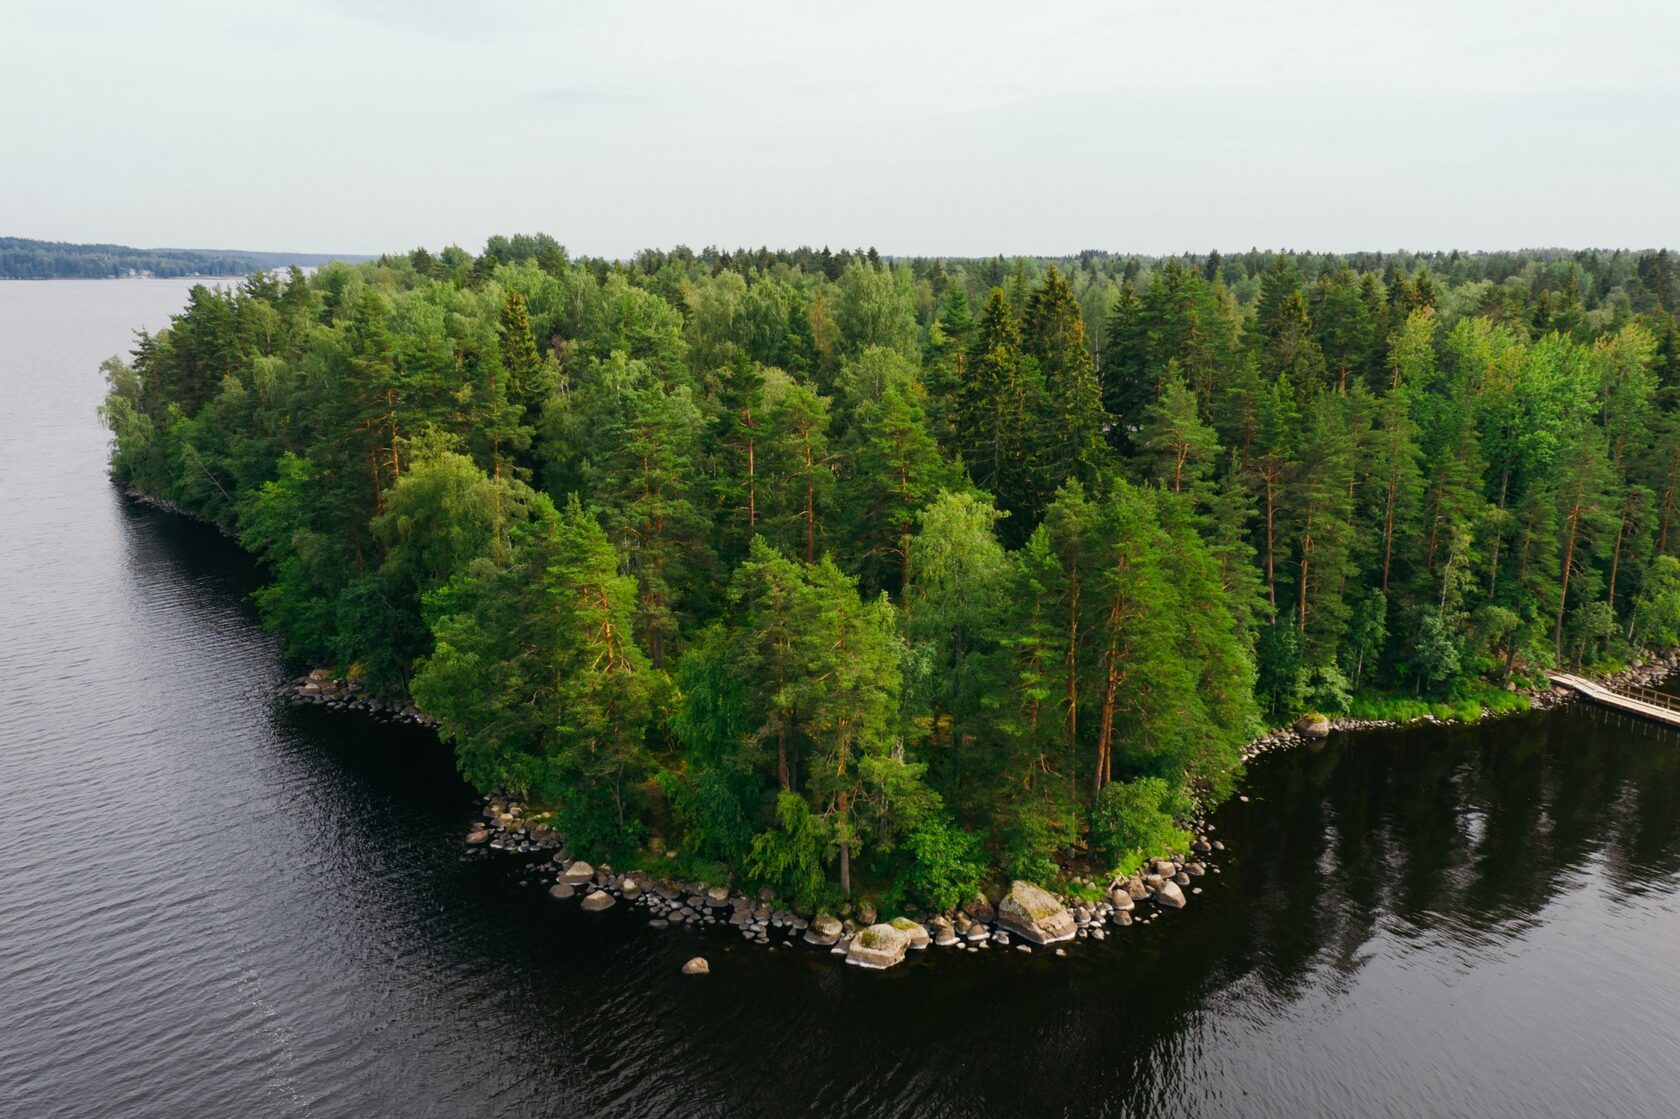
<point>212,905</point>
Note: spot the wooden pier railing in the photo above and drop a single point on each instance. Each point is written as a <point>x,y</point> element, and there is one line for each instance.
<point>1632,698</point>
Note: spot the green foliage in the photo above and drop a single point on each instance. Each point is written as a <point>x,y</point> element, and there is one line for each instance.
<point>789,856</point>
<point>845,571</point>
<point>538,681</point>
<point>941,865</point>
<point>1134,820</point>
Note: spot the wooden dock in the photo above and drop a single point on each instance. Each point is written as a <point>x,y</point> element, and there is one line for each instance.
<point>1645,702</point>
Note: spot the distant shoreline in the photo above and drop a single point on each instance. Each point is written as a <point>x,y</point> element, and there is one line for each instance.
<point>25,258</point>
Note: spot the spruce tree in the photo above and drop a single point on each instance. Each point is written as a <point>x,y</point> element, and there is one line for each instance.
<point>994,407</point>
<point>1071,421</point>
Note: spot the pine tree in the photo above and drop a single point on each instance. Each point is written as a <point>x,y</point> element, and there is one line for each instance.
<point>1177,450</point>
<point>770,650</point>
<point>1390,473</point>
<point>537,679</point>
<point>798,468</point>
<point>737,436</point>
<point>954,610</point>
<point>648,491</point>
<point>848,702</point>
<point>892,469</point>
<point>1585,513</point>
<point>1320,517</point>
<point>1141,683</point>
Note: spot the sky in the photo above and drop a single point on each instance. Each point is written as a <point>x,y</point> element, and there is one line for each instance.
<point>1152,126</point>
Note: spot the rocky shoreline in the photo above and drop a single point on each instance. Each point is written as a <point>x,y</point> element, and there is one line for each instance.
<point>141,497</point>
<point>321,688</point>
<point>1024,916</point>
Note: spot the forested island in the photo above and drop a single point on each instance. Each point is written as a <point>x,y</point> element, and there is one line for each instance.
<point>856,576</point>
<point>24,259</point>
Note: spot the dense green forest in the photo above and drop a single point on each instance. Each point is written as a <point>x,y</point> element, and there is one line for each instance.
<point>24,259</point>
<point>856,574</point>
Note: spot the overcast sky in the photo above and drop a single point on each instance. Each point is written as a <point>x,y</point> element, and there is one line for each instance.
<point>963,128</point>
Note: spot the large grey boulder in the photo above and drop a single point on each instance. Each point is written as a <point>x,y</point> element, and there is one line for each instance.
<point>919,937</point>
<point>1170,895</point>
<point>1034,913</point>
<point>878,947</point>
<point>1313,726</point>
<point>578,873</point>
<point>697,966</point>
<point>824,930</point>
<point>597,901</point>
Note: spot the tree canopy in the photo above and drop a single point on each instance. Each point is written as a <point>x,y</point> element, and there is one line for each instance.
<point>850,575</point>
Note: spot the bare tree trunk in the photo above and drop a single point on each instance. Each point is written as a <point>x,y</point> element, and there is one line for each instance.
<point>846,845</point>
<point>1616,555</point>
<point>1568,562</point>
<point>810,508</point>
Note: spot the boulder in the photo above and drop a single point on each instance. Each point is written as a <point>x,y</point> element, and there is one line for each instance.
<point>697,966</point>
<point>477,836</point>
<point>718,895</point>
<point>1120,900</point>
<point>597,901</point>
<point>919,937</point>
<point>866,913</point>
<point>1313,726</point>
<point>824,930</point>
<point>561,890</point>
<point>980,909</point>
<point>1170,895</point>
<point>578,873</point>
<point>878,947</point>
<point>1035,914</point>
<point>1135,888</point>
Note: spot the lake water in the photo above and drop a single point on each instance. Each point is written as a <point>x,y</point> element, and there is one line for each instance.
<point>214,905</point>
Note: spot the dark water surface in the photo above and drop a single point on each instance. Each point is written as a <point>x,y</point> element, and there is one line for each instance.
<point>211,905</point>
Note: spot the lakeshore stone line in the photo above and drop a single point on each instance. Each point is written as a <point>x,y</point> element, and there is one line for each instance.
<point>1025,910</point>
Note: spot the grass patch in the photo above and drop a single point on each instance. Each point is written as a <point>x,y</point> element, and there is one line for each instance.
<point>1079,891</point>
<point>1465,705</point>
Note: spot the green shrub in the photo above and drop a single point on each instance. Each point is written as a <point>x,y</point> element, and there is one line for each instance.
<point>941,864</point>
<point>1136,819</point>
<point>790,858</point>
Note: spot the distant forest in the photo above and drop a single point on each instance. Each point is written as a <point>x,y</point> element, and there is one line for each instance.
<point>848,574</point>
<point>25,259</point>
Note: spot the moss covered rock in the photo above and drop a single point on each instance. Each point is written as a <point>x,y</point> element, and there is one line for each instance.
<point>1034,913</point>
<point>878,947</point>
